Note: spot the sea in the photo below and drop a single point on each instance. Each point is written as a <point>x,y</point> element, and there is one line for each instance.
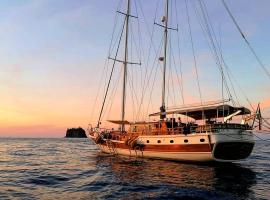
<point>75,169</point>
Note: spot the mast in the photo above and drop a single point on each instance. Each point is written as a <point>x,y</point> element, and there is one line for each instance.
<point>162,108</point>
<point>125,67</point>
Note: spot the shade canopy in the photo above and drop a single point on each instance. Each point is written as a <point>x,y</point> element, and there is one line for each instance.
<point>207,112</point>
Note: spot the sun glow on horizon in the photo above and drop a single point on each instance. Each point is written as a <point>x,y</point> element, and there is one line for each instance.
<point>52,56</point>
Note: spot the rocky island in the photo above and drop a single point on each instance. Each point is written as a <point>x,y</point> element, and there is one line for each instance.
<point>75,133</point>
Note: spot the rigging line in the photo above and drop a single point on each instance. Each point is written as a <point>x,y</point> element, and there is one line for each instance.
<point>106,63</point>
<point>202,3</point>
<point>235,80</point>
<point>245,39</point>
<point>151,33</point>
<point>131,56</point>
<point>216,54</point>
<point>141,50</point>
<point>130,71</point>
<point>134,41</point>
<point>139,33</point>
<point>179,54</point>
<point>207,31</point>
<point>193,51</point>
<point>151,91</point>
<point>265,140</point>
<point>170,58</point>
<point>265,126</point>
<point>176,71</point>
<point>132,97</point>
<point>112,45</point>
<point>136,48</point>
<point>230,74</point>
<point>230,80</point>
<point>212,48</point>
<point>147,82</point>
<point>265,121</point>
<point>155,74</point>
<point>170,68</point>
<point>104,100</point>
<point>133,93</point>
<point>112,96</point>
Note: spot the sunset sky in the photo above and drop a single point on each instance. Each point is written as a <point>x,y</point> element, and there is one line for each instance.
<point>52,55</point>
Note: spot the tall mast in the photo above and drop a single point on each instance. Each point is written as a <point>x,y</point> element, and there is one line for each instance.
<point>125,67</point>
<point>162,108</point>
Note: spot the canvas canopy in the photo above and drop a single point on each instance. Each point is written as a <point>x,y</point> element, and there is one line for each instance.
<point>207,112</point>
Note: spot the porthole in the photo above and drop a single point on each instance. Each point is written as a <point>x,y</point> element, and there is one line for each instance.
<point>202,140</point>
<point>147,141</point>
<point>158,141</point>
<point>171,141</point>
<point>186,141</point>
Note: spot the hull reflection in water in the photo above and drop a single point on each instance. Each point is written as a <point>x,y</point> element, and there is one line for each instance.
<point>159,179</point>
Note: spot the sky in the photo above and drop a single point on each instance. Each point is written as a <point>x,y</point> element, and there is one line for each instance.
<point>52,57</point>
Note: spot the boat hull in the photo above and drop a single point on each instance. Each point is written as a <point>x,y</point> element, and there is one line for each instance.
<point>222,146</point>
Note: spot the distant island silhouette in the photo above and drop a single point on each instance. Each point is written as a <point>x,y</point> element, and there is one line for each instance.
<point>75,133</point>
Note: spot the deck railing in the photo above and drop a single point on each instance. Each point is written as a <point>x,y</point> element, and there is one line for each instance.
<point>181,129</point>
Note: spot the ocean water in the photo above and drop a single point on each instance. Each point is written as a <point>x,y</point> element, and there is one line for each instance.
<point>75,169</point>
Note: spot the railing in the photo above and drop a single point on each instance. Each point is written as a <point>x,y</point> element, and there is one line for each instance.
<point>115,134</point>
<point>194,129</point>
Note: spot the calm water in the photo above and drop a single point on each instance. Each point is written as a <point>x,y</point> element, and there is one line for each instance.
<point>74,169</point>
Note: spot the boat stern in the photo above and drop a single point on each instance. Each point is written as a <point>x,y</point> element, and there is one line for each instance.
<point>232,145</point>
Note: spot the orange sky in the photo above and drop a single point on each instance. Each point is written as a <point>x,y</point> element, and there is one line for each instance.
<point>52,56</point>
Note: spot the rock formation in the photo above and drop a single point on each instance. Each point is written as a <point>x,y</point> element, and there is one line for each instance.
<point>75,133</point>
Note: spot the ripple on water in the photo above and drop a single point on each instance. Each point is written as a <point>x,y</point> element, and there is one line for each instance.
<point>73,169</point>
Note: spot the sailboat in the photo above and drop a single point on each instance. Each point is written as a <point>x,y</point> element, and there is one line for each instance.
<point>216,138</point>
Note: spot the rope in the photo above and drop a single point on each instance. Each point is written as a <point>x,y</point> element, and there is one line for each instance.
<point>170,70</point>
<point>179,54</point>
<point>266,140</point>
<point>219,59</point>
<point>193,52</point>
<point>245,39</point>
<point>104,100</point>
<point>212,45</point>
<point>146,77</point>
<point>111,46</point>
<point>112,96</point>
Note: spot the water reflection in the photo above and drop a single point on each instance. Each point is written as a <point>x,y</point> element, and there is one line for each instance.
<point>220,180</point>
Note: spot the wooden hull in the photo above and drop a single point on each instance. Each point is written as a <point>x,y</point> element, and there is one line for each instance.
<point>167,155</point>
<point>226,146</point>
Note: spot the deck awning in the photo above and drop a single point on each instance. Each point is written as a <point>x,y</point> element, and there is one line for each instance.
<point>118,122</point>
<point>207,112</point>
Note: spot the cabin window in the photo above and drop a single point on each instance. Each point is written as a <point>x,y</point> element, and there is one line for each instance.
<point>147,141</point>
<point>158,141</point>
<point>171,141</point>
<point>186,141</point>
<point>202,140</point>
